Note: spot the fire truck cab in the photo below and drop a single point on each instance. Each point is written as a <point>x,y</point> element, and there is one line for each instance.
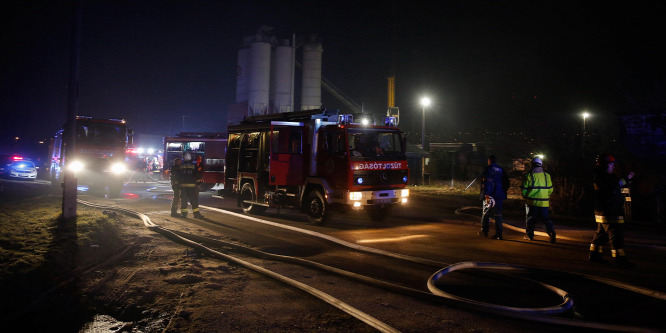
<point>315,160</point>
<point>99,156</point>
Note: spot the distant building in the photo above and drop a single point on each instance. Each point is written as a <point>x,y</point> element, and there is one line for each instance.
<point>644,134</point>
<point>418,161</point>
<point>457,160</point>
<point>521,164</point>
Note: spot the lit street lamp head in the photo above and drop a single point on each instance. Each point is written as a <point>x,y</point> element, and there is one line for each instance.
<point>425,101</point>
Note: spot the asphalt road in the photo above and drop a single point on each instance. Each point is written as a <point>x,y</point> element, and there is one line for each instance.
<point>430,228</point>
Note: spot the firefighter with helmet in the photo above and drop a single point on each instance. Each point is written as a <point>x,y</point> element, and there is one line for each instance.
<point>536,189</point>
<point>494,187</point>
<point>609,211</point>
<point>175,186</point>
<point>188,177</point>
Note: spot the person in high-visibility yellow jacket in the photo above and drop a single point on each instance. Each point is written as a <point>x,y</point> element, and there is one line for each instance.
<point>536,189</point>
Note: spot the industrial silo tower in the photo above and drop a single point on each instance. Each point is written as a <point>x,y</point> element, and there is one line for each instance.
<point>266,76</point>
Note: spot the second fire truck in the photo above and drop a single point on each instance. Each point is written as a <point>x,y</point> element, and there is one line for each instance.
<point>210,146</point>
<point>315,160</point>
<point>99,156</point>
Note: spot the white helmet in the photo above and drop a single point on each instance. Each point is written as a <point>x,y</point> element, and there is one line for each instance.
<point>537,161</point>
<point>187,157</point>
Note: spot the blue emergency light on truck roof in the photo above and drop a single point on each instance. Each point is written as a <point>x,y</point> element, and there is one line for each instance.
<point>345,119</point>
<point>390,121</point>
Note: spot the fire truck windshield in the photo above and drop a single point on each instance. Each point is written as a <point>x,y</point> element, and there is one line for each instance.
<point>98,133</point>
<point>365,143</point>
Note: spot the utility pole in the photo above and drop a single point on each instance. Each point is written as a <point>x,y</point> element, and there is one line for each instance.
<point>69,179</point>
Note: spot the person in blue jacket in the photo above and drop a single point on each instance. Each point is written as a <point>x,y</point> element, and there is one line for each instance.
<point>494,187</point>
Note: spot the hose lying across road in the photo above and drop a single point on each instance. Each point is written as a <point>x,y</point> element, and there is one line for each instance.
<point>530,314</point>
<point>364,317</point>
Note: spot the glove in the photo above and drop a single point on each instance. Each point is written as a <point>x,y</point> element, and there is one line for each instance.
<point>489,202</point>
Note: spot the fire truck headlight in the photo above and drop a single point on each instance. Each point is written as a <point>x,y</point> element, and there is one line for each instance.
<point>357,204</point>
<point>355,196</point>
<point>404,200</point>
<point>359,180</point>
<point>118,168</point>
<point>404,193</point>
<point>76,166</point>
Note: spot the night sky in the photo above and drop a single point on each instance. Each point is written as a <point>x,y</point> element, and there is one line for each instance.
<point>493,64</point>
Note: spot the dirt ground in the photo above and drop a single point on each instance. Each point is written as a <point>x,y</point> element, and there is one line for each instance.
<point>151,284</point>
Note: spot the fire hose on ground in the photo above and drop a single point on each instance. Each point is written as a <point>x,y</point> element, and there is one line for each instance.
<point>543,315</point>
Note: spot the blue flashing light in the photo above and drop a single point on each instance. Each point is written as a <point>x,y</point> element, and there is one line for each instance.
<point>404,179</point>
<point>360,180</point>
<point>390,121</point>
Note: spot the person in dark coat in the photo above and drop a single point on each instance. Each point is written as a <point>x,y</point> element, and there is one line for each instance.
<point>609,211</point>
<point>175,186</point>
<point>494,187</point>
<point>188,178</point>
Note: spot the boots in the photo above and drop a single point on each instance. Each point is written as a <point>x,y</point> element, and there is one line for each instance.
<point>553,238</point>
<point>198,215</point>
<point>597,257</point>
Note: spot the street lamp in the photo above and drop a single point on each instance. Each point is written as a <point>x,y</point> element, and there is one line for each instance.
<point>585,115</point>
<point>425,102</point>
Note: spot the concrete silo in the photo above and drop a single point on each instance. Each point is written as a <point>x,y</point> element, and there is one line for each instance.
<point>282,77</point>
<point>311,83</point>
<point>260,71</point>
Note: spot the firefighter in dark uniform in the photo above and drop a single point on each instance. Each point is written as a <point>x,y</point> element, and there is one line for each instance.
<point>494,187</point>
<point>188,177</point>
<point>198,164</point>
<point>608,211</point>
<point>173,176</point>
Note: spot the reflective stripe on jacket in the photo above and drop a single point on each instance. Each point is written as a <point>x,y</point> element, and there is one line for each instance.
<point>186,175</point>
<point>608,197</point>
<point>537,188</point>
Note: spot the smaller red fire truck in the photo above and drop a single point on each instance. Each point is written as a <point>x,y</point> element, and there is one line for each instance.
<point>315,160</point>
<point>99,157</point>
<point>211,147</point>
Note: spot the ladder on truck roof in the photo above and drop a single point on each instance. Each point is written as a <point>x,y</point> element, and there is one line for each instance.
<point>288,116</point>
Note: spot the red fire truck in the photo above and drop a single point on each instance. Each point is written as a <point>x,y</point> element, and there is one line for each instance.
<point>210,146</point>
<point>315,160</point>
<point>99,159</point>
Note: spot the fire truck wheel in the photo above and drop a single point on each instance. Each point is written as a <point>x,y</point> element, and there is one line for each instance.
<point>317,207</point>
<point>247,194</point>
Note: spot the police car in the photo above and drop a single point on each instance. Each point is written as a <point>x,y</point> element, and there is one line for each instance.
<point>19,168</point>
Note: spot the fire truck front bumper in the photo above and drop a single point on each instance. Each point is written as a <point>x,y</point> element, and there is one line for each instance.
<point>359,199</point>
